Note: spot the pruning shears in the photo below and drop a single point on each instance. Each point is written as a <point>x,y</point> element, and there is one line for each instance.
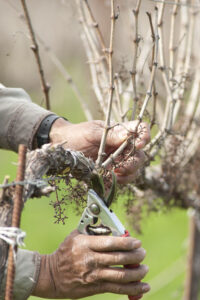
<point>98,219</point>
<point>96,209</point>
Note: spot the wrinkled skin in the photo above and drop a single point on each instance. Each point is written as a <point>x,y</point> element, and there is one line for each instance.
<point>86,137</point>
<point>84,265</point>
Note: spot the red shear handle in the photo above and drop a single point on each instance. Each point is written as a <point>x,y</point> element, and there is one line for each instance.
<point>126,234</point>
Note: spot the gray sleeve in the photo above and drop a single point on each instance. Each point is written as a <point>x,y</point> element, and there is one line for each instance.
<point>19,121</point>
<point>19,118</point>
<point>26,275</point>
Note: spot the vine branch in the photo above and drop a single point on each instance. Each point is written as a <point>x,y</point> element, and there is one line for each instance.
<point>35,49</point>
<point>111,89</point>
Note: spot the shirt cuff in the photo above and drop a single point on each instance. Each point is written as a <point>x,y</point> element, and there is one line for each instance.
<point>26,274</point>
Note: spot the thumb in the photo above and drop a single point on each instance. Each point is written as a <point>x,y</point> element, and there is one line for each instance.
<point>119,133</point>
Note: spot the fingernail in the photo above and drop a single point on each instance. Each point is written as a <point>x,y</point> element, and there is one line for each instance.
<point>145,288</point>
<point>137,244</point>
<point>146,268</point>
<point>142,252</point>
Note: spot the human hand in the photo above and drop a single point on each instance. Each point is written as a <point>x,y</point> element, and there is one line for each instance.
<point>86,137</point>
<point>87,265</point>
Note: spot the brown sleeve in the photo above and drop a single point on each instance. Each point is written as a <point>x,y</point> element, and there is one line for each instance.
<point>19,118</point>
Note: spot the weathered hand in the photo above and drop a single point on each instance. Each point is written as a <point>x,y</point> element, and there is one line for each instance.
<point>84,265</point>
<point>86,137</point>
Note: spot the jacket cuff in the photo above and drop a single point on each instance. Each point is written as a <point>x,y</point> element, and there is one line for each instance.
<point>26,274</point>
<point>24,125</point>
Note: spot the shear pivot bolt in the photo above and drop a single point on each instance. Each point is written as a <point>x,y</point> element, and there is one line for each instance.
<point>95,209</point>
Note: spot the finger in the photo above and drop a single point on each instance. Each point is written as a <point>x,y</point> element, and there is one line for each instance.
<point>119,133</point>
<point>133,289</point>
<point>131,165</point>
<point>122,275</point>
<point>142,133</point>
<point>133,257</point>
<point>111,243</point>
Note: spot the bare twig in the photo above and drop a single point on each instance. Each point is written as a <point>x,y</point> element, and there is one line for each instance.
<point>111,89</point>
<point>172,47</point>
<point>174,3</point>
<point>146,100</point>
<point>105,59</point>
<point>136,41</point>
<point>95,58</point>
<point>189,23</point>
<point>154,93</point>
<point>193,134</point>
<point>153,71</point>
<point>119,106</point>
<point>181,53</point>
<point>35,48</point>
<point>192,105</point>
<point>119,150</point>
<point>64,72</point>
<point>166,126</point>
<point>61,68</point>
<point>96,26</point>
<point>94,75</point>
